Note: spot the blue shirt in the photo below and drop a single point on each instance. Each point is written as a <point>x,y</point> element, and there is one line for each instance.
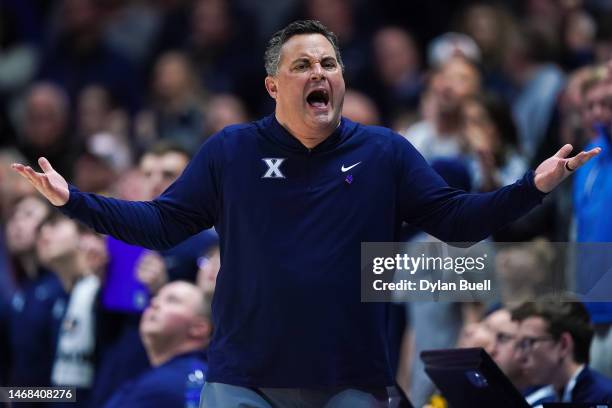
<point>36,313</point>
<point>287,309</point>
<point>592,197</point>
<point>162,386</point>
<point>592,386</point>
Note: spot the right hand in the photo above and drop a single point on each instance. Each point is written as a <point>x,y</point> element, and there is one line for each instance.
<point>49,183</point>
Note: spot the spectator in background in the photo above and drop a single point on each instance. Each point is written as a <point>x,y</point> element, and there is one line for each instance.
<point>358,107</point>
<point>397,82</point>
<point>175,329</point>
<point>222,110</point>
<point>578,40</point>
<point>503,350</point>
<point>528,62</point>
<point>490,132</point>
<point>222,47</point>
<point>58,248</point>
<point>78,56</point>
<point>525,271</point>
<point>554,340</point>
<point>161,166</point>
<point>38,305</point>
<point>123,350</point>
<point>592,196</point>
<point>439,133</point>
<point>19,59</point>
<point>176,112</point>
<point>11,188</point>
<point>43,126</point>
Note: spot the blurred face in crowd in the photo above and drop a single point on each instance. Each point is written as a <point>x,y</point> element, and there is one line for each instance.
<point>308,88</point>
<point>539,353</point>
<point>223,110</point>
<point>505,332</point>
<point>160,171</point>
<point>476,335</point>
<point>396,55</point>
<point>211,23</point>
<point>479,128</point>
<point>45,116</point>
<point>359,108</point>
<point>598,104</point>
<point>456,80</point>
<point>22,226</point>
<point>175,314</point>
<point>173,77</point>
<point>58,240</point>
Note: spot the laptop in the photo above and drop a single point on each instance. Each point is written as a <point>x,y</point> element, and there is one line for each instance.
<point>469,378</point>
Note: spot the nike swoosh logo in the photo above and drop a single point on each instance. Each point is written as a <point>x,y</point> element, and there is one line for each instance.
<point>345,169</point>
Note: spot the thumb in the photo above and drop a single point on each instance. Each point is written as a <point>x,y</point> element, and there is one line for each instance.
<point>564,151</point>
<point>45,165</point>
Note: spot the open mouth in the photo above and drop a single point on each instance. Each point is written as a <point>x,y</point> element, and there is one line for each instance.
<point>318,98</point>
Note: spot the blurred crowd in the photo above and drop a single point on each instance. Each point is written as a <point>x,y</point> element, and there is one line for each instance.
<point>119,94</point>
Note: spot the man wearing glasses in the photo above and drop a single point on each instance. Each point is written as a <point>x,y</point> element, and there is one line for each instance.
<point>554,339</point>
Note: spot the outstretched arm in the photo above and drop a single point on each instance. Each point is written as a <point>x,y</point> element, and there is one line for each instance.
<point>186,207</point>
<point>453,215</point>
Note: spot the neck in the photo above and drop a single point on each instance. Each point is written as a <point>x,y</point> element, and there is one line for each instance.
<point>447,122</point>
<point>565,374</point>
<point>310,138</point>
<point>30,264</point>
<point>161,352</point>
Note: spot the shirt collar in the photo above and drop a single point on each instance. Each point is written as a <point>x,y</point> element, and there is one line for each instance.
<point>290,142</point>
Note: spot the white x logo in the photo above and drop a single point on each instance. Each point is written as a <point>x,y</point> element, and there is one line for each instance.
<point>273,168</point>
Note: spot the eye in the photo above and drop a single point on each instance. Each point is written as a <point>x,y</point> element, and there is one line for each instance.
<point>300,67</point>
<point>330,64</point>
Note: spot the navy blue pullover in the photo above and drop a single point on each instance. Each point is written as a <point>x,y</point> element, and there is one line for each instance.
<point>287,309</point>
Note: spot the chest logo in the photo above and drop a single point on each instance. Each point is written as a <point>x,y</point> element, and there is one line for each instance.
<point>273,164</point>
<point>345,169</point>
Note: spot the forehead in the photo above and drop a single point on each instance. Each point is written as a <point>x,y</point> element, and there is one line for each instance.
<point>533,326</point>
<point>179,290</point>
<point>500,320</point>
<point>306,45</point>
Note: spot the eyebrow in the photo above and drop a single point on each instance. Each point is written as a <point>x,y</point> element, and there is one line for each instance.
<point>305,58</point>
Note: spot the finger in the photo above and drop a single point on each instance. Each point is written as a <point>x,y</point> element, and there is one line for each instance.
<point>583,157</point>
<point>31,176</point>
<point>564,151</point>
<point>45,165</point>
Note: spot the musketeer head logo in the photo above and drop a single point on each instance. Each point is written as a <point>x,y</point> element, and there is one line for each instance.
<point>273,164</point>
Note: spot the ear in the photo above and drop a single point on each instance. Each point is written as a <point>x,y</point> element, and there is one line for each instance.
<point>566,344</point>
<point>271,86</point>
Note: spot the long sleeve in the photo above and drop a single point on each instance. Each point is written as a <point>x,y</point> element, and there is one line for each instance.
<point>189,205</point>
<point>451,215</point>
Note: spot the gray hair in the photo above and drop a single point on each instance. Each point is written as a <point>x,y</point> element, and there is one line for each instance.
<point>273,50</point>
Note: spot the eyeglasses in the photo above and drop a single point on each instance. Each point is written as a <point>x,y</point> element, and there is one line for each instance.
<point>504,338</point>
<point>526,344</point>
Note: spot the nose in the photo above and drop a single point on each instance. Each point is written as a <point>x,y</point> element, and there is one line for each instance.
<point>317,72</point>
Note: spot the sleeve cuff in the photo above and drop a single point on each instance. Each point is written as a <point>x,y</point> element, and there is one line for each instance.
<point>528,181</point>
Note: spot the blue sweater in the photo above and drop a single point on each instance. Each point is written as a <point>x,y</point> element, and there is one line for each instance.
<point>160,387</point>
<point>287,309</point>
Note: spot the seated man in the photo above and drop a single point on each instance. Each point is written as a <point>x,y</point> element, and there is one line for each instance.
<point>175,329</point>
<point>504,352</point>
<point>554,340</point>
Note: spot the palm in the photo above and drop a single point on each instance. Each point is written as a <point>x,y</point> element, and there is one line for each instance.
<point>552,171</point>
<point>49,183</point>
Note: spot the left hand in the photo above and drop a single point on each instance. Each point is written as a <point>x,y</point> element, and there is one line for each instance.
<point>552,171</point>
